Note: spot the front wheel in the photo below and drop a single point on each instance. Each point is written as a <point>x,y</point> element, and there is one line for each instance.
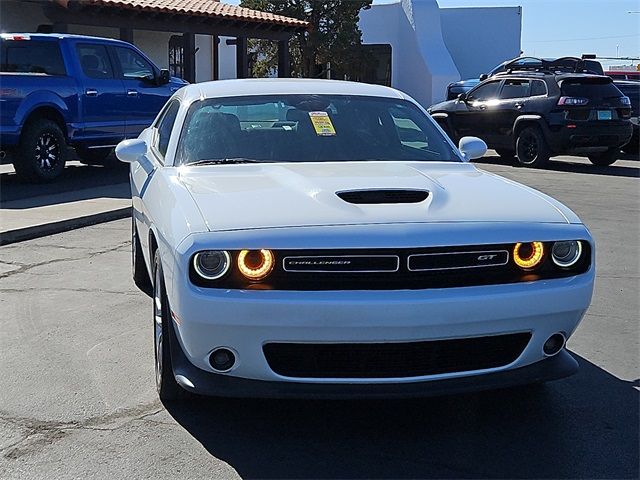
<point>531,148</point>
<point>168,388</point>
<point>41,154</point>
<point>606,158</point>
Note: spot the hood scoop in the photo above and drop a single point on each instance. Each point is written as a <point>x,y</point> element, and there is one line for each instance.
<point>386,196</point>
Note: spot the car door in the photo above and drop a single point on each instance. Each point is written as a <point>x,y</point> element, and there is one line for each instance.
<point>101,96</point>
<point>512,102</point>
<point>145,97</point>
<point>474,114</point>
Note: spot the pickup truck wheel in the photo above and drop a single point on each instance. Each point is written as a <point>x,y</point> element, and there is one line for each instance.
<point>96,156</point>
<point>531,148</point>
<point>139,268</point>
<point>41,153</point>
<point>605,159</point>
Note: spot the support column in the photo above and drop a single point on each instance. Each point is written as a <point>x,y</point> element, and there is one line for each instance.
<point>216,57</point>
<point>284,60</point>
<point>189,45</point>
<point>126,35</point>
<point>242,58</point>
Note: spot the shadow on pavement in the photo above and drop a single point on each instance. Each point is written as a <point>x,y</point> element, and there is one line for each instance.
<point>585,426</point>
<point>573,167</point>
<point>77,182</point>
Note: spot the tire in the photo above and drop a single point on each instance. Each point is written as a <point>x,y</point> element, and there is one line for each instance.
<point>138,266</point>
<point>166,385</point>
<point>531,148</point>
<point>633,146</point>
<point>41,154</point>
<point>506,153</point>
<point>605,159</point>
<point>96,156</point>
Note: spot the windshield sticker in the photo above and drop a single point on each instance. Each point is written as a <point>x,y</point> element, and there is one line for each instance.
<point>322,124</point>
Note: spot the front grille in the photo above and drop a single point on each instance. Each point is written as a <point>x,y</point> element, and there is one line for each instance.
<point>394,360</point>
<point>362,197</point>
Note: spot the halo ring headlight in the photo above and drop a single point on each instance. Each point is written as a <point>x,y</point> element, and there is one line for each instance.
<point>528,255</point>
<point>255,264</point>
<point>566,254</point>
<point>211,264</point>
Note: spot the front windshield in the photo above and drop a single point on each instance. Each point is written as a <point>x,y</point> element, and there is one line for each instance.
<point>309,128</point>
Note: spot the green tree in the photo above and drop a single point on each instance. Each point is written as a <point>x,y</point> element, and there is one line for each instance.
<point>333,38</point>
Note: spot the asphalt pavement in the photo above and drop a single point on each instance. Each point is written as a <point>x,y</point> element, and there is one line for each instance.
<point>77,394</point>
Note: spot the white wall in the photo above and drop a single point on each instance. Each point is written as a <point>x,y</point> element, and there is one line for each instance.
<point>227,59</point>
<point>480,38</point>
<point>421,64</point>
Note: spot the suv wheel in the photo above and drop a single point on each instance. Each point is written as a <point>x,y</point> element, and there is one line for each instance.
<point>531,148</point>
<point>41,153</point>
<point>604,159</point>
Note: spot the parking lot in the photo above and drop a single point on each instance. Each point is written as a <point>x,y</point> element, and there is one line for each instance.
<point>77,393</point>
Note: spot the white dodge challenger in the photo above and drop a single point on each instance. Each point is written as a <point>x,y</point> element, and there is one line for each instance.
<point>324,238</point>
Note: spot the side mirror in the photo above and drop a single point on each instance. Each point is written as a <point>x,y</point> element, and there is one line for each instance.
<point>462,97</point>
<point>129,151</point>
<point>164,77</point>
<point>483,77</point>
<point>470,147</point>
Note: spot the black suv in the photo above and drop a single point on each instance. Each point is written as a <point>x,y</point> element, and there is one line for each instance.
<point>538,113</point>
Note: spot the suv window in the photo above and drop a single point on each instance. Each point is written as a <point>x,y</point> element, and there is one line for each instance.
<point>486,91</point>
<point>31,56</point>
<point>590,88</point>
<point>94,61</point>
<point>134,65</point>
<point>513,88</point>
<point>165,125</point>
<point>538,87</point>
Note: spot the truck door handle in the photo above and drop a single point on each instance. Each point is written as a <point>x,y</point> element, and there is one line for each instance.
<point>519,105</point>
<point>132,93</point>
<point>90,92</point>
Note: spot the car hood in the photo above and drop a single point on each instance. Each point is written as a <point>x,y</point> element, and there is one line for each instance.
<point>250,196</point>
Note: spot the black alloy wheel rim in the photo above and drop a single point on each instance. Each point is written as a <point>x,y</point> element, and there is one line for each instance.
<point>47,152</point>
<point>528,148</point>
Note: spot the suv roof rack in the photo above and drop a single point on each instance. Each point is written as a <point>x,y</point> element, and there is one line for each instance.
<point>560,65</point>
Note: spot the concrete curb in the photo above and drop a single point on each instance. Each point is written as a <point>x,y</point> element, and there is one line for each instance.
<point>37,231</point>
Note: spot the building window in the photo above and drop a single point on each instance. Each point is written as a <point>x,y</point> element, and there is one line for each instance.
<point>176,56</point>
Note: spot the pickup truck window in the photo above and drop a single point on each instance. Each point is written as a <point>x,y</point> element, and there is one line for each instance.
<point>94,60</point>
<point>31,56</point>
<point>133,65</point>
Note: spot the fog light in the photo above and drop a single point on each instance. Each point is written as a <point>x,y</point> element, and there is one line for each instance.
<point>566,254</point>
<point>211,264</point>
<point>222,359</point>
<point>255,264</point>
<point>528,255</point>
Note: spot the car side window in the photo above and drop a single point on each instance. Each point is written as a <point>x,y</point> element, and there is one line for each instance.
<point>485,92</point>
<point>514,88</point>
<point>538,87</point>
<point>134,65</point>
<point>94,60</point>
<point>165,125</point>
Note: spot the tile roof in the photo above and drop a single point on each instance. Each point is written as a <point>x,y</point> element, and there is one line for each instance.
<point>209,8</point>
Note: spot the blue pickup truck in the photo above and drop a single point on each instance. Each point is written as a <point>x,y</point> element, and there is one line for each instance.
<point>59,90</point>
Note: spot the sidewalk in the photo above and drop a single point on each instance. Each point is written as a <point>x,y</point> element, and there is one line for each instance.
<point>30,211</point>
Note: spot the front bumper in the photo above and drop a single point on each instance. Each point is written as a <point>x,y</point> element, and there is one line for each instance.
<point>244,321</point>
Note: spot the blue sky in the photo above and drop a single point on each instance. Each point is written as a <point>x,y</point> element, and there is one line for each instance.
<point>555,28</point>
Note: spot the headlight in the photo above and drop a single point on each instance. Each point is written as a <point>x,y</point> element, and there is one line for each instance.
<point>255,264</point>
<point>566,254</point>
<point>528,255</point>
<point>211,264</point>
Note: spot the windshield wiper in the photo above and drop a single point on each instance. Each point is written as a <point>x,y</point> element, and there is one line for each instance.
<point>224,161</point>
